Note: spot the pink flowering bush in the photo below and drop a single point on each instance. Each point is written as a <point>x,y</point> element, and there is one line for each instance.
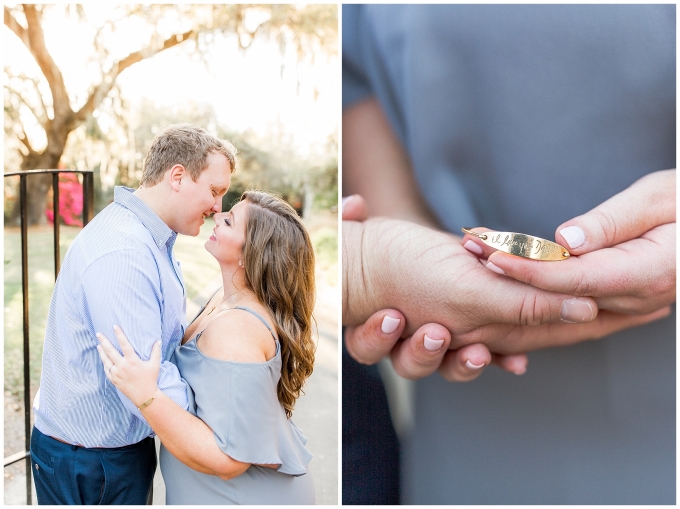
<point>70,200</point>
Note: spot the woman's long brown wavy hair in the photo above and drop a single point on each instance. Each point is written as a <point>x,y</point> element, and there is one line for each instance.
<point>278,258</point>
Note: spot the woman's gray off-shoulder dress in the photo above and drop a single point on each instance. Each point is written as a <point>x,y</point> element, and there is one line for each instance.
<point>238,401</point>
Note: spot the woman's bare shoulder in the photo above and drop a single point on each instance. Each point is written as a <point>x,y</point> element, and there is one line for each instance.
<point>237,335</point>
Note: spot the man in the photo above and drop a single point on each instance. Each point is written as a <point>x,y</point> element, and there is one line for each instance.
<point>90,444</point>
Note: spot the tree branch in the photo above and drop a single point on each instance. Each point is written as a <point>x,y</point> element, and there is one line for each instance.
<point>42,119</point>
<point>100,91</point>
<point>38,48</point>
<point>38,93</point>
<point>16,27</point>
<point>23,138</point>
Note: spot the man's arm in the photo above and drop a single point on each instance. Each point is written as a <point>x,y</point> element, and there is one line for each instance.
<point>123,288</point>
<point>376,166</point>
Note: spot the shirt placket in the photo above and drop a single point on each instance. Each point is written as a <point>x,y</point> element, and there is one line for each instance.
<point>178,273</point>
<point>176,267</point>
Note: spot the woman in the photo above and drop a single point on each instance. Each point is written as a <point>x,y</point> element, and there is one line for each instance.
<point>245,356</point>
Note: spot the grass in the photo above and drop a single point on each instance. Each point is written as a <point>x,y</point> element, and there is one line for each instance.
<point>41,282</point>
<point>198,267</point>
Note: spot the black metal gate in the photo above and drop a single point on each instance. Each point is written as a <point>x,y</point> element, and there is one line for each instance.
<point>88,212</point>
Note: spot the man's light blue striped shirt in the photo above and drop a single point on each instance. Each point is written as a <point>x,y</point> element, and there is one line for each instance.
<point>120,270</point>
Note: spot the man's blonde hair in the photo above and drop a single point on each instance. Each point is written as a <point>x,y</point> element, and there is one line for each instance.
<point>183,144</point>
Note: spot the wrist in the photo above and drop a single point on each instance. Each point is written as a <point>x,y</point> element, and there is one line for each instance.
<point>353,283</point>
<point>368,278</point>
<point>144,404</point>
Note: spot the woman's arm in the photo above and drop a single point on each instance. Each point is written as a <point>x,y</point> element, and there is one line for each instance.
<point>187,437</point>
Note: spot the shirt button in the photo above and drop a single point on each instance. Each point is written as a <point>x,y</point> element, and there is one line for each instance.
<point>37,467</point>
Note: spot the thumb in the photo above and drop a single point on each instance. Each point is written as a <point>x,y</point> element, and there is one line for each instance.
<point>354,208</point>
<point>647,203</point>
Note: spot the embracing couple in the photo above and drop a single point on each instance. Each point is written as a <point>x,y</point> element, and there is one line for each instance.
<point>218,392</point>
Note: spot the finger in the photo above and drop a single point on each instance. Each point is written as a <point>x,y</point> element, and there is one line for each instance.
<point>571,276</point>
<point>636,305</point>
<point>465,364</point>
<point>125,345</point>
<point>354,208</point>
<point>421,354</point>
<point>373,340</point>
<point>516,363</point>
<point>111,352</point>
<point>606,272</point>
<point>647,203</point>
<point>106,360</point>
<point>475,244</point>
<point>468,362</point>
<point>506,301</point>
<point>525,339</point>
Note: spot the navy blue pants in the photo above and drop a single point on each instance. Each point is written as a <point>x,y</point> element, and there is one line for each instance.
<point>69,474</point>
<point>370,450</point>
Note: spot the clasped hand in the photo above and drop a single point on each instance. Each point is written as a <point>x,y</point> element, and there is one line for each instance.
<point>625,251</point>
<point>625,267</point>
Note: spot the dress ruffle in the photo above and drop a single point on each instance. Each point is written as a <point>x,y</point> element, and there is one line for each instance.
<point>239,402</point>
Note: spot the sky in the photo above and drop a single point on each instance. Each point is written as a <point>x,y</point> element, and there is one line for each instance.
<point>247,88</point>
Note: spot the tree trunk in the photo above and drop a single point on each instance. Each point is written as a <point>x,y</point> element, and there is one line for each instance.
<point>39,185</point>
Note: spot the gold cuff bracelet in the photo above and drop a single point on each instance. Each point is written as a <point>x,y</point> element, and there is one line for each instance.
<point>148,401</point>
<point>519,244</point>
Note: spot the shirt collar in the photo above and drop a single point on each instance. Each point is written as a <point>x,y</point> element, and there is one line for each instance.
<point>162,235</point>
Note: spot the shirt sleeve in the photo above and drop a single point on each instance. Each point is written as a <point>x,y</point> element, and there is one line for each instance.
<point>123,288</point>
<point>355,83</point>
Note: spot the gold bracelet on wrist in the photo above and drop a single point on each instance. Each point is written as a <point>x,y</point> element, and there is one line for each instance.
<point>148,401</point>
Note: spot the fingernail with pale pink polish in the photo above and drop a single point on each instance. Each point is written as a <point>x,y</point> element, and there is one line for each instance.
<point>495,268</point>
<point>389,324</point>
<point>520,370</point>
<point>473,248</point>
<point>470,365</point>
<point>574,236</point>
<point>577,311</point>
<point>432,344</point>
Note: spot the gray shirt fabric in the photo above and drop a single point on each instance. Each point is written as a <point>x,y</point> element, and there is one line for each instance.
<point>519,118</point>
<point>238,401</point>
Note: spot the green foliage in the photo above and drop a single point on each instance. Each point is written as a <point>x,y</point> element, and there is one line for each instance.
<point>325,242</point>
<point>324,179</point>
<point>11,196</point>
